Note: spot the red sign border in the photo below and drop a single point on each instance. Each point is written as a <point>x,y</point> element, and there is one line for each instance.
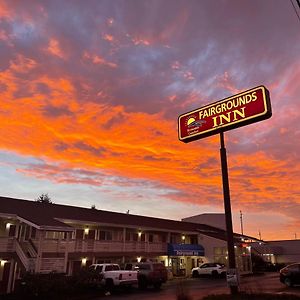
<point>246,121</point>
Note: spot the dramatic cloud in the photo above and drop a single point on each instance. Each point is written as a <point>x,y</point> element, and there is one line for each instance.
<point>93,92</point>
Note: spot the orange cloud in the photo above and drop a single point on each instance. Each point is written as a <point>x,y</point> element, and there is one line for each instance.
<point>138,41</point>
<point>3,35</point>
<point>108,138</point>
<point>108,37</point>
<point>54,48</point>
<point>99,136</point>
<point>22,64</point>
<point>98,60</point>
<point>5,11</point>
<point>93,135</point>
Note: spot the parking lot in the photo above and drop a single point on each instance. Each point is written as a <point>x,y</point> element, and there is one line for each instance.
<point>197,288</point>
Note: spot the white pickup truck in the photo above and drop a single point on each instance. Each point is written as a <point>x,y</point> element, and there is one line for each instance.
<point>113,276</point>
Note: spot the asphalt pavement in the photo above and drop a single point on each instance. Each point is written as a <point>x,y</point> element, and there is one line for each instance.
<point>197,288</point>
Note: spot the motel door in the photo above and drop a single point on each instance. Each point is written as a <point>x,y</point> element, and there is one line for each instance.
<point>175,264</point>
<point>4,279</point>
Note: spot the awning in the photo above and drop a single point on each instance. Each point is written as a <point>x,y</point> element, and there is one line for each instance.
<point>185,250</point>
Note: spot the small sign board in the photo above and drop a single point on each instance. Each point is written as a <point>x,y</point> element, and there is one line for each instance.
<point>232,112</point>
<point>232,277</point>
<point>185,250</point>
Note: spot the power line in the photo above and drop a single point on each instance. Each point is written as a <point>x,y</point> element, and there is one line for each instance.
<point>298,1</point>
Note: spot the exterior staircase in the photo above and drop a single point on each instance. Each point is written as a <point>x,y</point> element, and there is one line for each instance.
<point>27,254</point>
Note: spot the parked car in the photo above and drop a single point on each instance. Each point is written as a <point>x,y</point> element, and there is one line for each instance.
<point>290,275</point>
<point>112,276</point>
<point>151,274</point>
<point>211,269</point>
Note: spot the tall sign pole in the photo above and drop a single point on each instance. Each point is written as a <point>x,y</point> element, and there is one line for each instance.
<point>227,207</point>
<point>236,111</point>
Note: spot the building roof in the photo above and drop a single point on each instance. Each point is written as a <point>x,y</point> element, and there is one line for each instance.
<point>212,219</point>
<point>54,216</point>
<point>49,214</point>
<point>206,214</point>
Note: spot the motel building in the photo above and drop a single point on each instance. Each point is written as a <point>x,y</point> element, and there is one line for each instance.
<point>42,238</point>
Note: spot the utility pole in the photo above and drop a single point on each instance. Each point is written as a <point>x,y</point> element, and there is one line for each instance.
<point>259,234</point>
<point>241,218</point>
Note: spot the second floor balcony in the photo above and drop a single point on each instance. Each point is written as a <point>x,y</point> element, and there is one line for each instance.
<point>96,246</point>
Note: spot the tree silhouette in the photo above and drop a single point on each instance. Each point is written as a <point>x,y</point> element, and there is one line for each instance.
<point>44,198</point>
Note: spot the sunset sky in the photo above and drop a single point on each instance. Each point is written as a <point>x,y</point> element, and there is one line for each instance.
<point>91,92</point>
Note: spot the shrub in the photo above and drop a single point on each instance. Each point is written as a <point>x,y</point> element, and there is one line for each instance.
<point>56,286</point>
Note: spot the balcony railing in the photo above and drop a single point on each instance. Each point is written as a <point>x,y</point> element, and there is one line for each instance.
<point>7,244</point>
<point>62,246</point>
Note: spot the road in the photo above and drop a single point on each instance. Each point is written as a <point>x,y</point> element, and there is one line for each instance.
<point>197,288</point>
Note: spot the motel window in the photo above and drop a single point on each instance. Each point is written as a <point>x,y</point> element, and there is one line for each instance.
<point>127,237</point>
<point>12,230</point>
<point>217,250</point>
<point>135,237</point>
<point>105,235</point>
<point>150,239</point>
<point>51,235</point>
<point>91,235</point>
<point>220,259</point>
<point>109,235</point>
<point>117,235</point>
<point>174,239</point>
<point>79,234</point>
<point>220,250</point>
<point>143,238</point>
<point>131,236</point>
<point>55,235</point>
<point>194,240</point>
<point>102,235</point>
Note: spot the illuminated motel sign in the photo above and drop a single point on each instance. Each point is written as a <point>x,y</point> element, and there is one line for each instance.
<point>236,111</point>
<point>232,112</point>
